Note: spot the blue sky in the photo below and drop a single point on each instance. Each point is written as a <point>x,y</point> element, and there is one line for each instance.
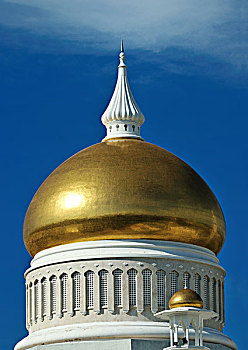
<point>187,67</point>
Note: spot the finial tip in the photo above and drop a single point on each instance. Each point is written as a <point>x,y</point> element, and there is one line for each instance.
<point>122,46</point>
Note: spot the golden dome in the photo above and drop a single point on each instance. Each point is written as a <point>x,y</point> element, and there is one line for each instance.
<point>124,189</point>
<point>185,297</point>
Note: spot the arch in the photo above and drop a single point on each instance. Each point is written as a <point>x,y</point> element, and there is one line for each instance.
<point>125,127</point>
<point>36,296</point>
<point>214,295</point>
<point>132,286</point>
<point>206,303</point>
<point>186,280</point>
<point>53,288</point>
<point>64,283</point>
<point>76,290</point>
<point>197,283</point>
<point>103,274</point>
<point>30,301</point>
<point>44,296</point>
<point>173,282</point>
<point>89,289</point>
<point>117,287</point>
<point>220,300</point>
<point>147,287</point>
<point>161,288</point>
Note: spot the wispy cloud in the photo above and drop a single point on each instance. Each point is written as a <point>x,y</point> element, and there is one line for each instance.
<point>216,28</point>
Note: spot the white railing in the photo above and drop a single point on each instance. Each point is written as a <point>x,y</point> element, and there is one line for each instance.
<point>63,291</point>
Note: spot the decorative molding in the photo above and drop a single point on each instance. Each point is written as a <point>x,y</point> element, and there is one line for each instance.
<point>115,330</point>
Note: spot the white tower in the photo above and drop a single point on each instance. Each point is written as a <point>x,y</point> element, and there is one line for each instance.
<point>115,232</point>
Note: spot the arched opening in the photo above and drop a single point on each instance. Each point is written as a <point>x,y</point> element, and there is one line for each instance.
<point>174,282</point>
<point>206,304</point>
<point>117,287</point>
<point>161,289</point>
<point>64,282</point>
<point>53,282</point>
<point>186,280</point>
<point>103,274</point>
<point>36,295</point>
<point>44,295</point>
<point>147,287</point>
<point>197,286</point>
<point>89,289</point>
<point>132,284</point>
<point>76,290</point>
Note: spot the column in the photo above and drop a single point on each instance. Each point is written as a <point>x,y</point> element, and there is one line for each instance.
<point>211,301</point>
<point>33,302</point>
<point>83,309</point>
<point>187,334</point>
<point>176,334</point>
<point>154,293</point>
<point>125,292</point>
<point>223,302</point>
<point>171,335</point>
<point>201,337</point>
<point>167,290</point>
<point>30,304</point>
<point>110,300</point>
<point>139,292</point>
<point>96,293</point>
<point>40,311</point>
<point>180,282</point>
<point>218,300</point>
<point>202,289</point>
<point>70,296</point>
<point>49,306</point>
<point>196,336</point>
<point>59,297</point>
<point>201,328</point>
<point>27,308</point>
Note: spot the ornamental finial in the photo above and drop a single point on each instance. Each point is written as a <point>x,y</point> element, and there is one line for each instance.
<point>122,117</point>
<point>122,56</point>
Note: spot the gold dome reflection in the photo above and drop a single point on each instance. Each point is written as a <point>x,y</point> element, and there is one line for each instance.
<point>126,189</point>
<point>72,200</point>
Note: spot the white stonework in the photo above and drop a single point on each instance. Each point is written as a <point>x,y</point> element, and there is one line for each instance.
<point>117,330</point>
<point>113,289</point>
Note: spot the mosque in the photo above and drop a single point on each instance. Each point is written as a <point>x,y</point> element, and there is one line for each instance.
<point>124,237</point>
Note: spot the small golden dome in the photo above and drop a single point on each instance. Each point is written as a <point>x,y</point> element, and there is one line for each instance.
<point>124,189</point>
<point>185,297</point>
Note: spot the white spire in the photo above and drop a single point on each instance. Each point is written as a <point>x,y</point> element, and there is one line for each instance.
<point>122,117</point>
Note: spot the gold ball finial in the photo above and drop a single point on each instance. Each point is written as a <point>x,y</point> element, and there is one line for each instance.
<point>185,298</point>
